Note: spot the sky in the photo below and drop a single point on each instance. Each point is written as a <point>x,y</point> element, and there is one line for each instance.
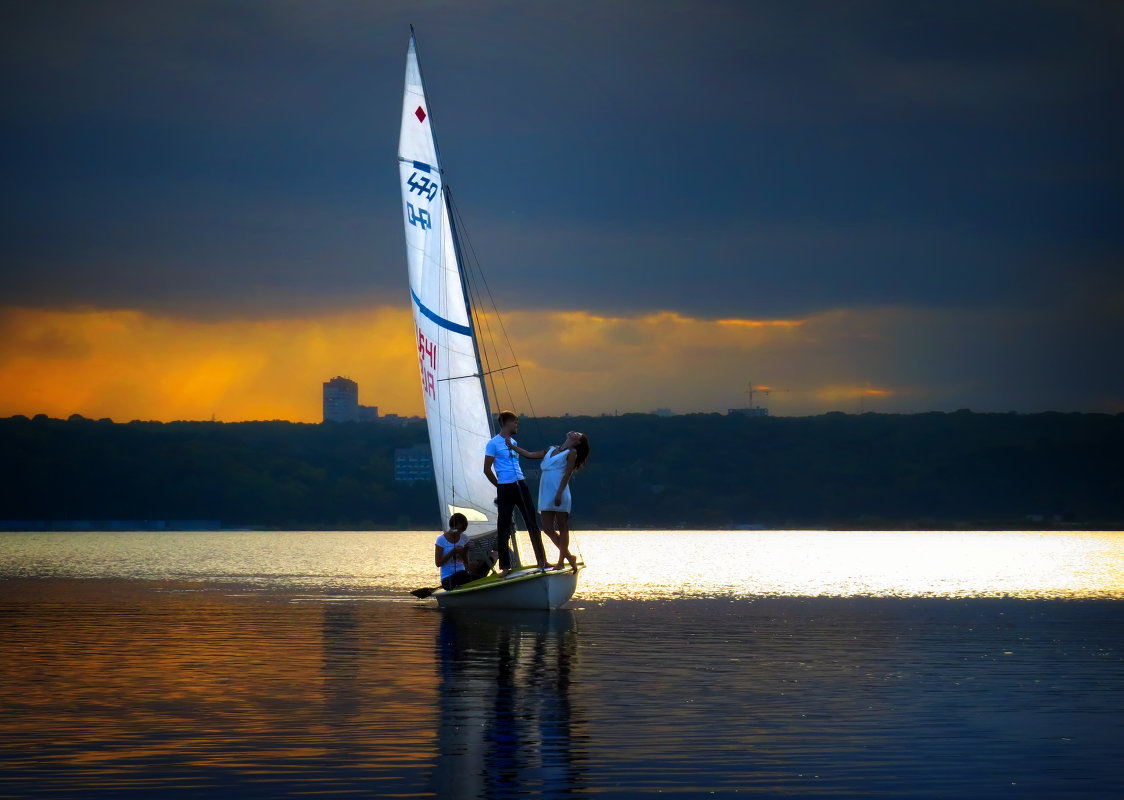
<point>866,206</point>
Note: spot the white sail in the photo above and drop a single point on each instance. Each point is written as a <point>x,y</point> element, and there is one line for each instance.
<point>455,407</point>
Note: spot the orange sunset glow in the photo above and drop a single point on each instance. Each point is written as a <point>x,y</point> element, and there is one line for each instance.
<point>134,365</point>
<point>130,365</point>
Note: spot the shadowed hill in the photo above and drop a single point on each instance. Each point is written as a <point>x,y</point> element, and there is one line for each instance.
<point>704,470</point>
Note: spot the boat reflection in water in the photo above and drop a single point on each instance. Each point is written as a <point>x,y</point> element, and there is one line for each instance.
<point>507,726</point>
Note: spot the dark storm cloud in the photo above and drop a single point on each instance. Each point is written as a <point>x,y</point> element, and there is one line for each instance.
<point>741,159</point>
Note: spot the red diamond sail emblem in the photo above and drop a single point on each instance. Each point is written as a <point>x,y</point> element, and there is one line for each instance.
<point>420,114</point>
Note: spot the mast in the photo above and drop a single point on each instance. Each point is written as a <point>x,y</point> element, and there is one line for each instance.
<point>468,304</point>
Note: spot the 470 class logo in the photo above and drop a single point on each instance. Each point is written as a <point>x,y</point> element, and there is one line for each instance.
<point>423,186</point>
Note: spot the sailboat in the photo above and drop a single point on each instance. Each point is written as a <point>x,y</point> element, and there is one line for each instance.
<point>453,381</point>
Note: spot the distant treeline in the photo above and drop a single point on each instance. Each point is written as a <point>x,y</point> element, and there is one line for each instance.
<point>701,470</point>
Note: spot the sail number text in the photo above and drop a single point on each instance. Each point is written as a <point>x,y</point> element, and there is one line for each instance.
<point>426,188</point>
<point>418,217</point>
<point>427,359</point>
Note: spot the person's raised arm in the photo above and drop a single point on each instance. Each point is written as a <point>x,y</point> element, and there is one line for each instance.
<point>536,454</point>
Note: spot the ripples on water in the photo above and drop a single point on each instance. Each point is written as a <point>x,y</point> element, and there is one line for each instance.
<point>266,687</point>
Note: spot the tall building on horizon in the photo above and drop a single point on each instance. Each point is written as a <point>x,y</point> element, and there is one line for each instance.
<point>341,400</point>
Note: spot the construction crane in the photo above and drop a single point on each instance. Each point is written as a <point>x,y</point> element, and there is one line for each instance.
<point>750,390</point>
<point>751,409</point>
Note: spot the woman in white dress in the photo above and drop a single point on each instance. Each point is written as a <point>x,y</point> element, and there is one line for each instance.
<point>558,464</point>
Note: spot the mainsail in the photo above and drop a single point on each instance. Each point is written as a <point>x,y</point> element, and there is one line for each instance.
<point>455,406</point>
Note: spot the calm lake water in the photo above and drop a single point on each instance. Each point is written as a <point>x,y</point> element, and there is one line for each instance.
<point>689,664</point>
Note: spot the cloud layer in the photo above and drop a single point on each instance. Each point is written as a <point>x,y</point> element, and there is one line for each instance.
<point>933,168</point>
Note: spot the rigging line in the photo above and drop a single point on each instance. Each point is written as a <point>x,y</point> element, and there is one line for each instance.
<point>485,325</point>
<point>501,369</point>
<point>509,388</point>
<point>497,359</point>
<point>480,322</point>
<point>483,280</point>
<point>484,338</point>
<point>489,342</point>
<point>465,296</point>
<point>476,277</point>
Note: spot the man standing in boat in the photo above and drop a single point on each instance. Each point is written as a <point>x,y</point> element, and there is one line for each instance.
<point>501,466</point>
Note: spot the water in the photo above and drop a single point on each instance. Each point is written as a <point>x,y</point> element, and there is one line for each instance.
<point>689,664</point>
<point>627,564</point>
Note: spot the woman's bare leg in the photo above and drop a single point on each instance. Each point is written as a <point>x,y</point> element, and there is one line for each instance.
<point>564,553</point>
<point>548,524</point>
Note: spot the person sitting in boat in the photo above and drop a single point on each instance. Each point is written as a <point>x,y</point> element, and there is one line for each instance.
<point>511,491</point>
<point>452,558</point>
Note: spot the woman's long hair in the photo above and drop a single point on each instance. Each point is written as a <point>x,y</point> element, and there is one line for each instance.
<point>582,451</point>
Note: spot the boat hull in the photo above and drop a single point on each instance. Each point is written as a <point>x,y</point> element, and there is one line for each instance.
<point>523,589</point>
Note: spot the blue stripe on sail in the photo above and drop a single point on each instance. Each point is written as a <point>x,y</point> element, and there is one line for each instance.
<point>423,166</point>
<point>444,323</point>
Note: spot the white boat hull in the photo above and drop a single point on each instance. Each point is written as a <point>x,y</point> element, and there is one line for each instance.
<point>523,589</point>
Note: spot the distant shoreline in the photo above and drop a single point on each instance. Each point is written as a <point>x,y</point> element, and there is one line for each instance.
<point>958,471</point>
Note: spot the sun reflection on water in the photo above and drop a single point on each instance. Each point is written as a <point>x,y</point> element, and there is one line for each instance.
<point>619,564</point>
<point>646,565</point>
